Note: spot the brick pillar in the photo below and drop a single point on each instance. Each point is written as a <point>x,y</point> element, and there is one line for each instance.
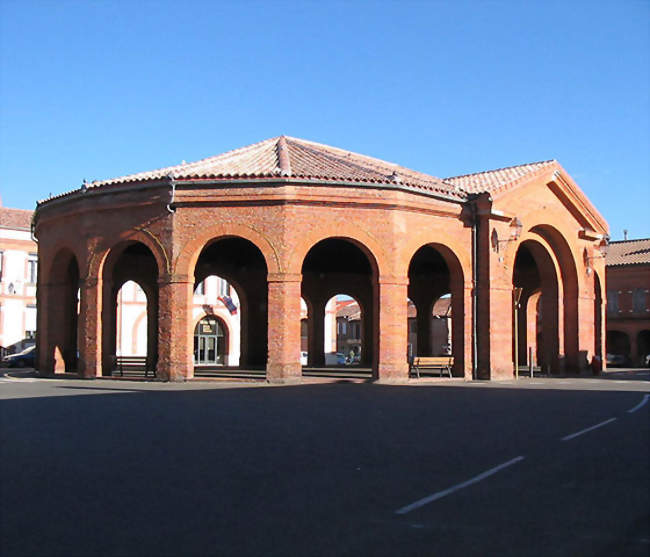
<point>90,345</point>
<point>393,334</point>
<point>500,334</point>
<point>283,364</point>
<point>423,316</point>
<point>174,328</point>
<point>316,324</point>
<point>44,364</point>
<point>586,332</point>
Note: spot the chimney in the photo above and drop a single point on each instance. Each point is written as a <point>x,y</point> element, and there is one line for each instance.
<point>625,234</point>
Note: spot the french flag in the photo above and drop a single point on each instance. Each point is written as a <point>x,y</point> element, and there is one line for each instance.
<point>227,301</point>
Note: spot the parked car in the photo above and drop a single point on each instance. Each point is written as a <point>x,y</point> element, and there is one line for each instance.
<point>615,360</point>
<point>21,359</point>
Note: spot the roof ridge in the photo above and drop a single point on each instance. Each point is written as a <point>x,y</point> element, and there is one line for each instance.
<point>499,169</point>
<point>284,160</point>
<point>628,241</point>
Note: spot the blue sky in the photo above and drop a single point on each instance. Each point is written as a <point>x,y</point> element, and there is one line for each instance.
<point>100,89</point>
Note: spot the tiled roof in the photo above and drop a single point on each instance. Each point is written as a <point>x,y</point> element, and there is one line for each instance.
<point>628,252</point>
<point>495,180</point>
<point>296,158</point>
<point>17,219</point>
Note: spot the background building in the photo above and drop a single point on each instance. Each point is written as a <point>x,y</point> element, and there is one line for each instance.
<point>628,302</point>
<point>18,275</point>
<point>216,320</point>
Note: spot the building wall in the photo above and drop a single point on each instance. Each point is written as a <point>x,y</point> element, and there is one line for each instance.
<point>17,289</point>
<point>628,310</point>
<point>132,317</point>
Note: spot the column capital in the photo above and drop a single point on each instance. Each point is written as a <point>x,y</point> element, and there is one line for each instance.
<point>393,279</point>
<point>284,277</point>
<point>174,278</point>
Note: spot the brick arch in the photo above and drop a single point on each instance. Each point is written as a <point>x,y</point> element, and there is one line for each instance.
<point>460,325</point>
<point>58,306</point>
<point>369,246</point>
<point>455,255</point>
<point>104,254</point>
<point>548,269</point>
<point>571,286</point>
<point>553,228</point>
<point>114,275</point>
<point>51,265</point>
<point>190,252</point>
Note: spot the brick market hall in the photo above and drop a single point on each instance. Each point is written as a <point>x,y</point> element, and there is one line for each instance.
<point>287,224</point>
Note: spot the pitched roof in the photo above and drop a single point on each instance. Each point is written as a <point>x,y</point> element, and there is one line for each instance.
<point>628,252</point>
<point>289,157</point>
<point>496,180</point>
<point>17,219</point>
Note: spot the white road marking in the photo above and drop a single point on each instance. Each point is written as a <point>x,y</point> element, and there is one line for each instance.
<point>642,403</point>
<point>440,494</point>
<point>601,424</point>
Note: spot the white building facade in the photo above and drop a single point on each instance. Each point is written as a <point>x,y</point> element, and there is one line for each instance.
<point>18,274</point>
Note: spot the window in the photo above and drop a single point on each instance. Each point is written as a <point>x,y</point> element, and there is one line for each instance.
<point>639,300</point>
<point>2,256</point>
<point>32,268</point>
<point>224,288</point>
<point>30,321</point>
<point>612,302</point>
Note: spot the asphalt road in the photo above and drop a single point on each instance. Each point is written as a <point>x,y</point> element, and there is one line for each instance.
<point>124,468</point>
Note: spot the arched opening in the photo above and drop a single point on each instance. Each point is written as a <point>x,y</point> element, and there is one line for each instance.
<point>338,274</point>
<point>63,313</point>
<point>598,323</point>
<point>131,320</point>
<point>217,317</point>
<point>344,326</point>
<point>568,346</point>
<point>643,348</point>
<point>435,289</point>
<point>536,330</point>
<point>130,284</point>
<point>304,332</point>
<point>412,330</point>
<point>241,272</point>
<point>210,342</point>
<point>618,348</point>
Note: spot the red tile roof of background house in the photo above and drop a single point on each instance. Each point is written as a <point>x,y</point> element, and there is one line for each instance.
<point>18,219</point>
<point>628,252</point>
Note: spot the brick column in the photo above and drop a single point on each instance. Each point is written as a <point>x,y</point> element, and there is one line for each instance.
<point>586,332</point>
<point>393,332</point>
<point>43,336</point>
<point>316,324</point>
<point>174,328</point>
<point>283,364</point>
<point>499,333</point>
<point>90,345</point>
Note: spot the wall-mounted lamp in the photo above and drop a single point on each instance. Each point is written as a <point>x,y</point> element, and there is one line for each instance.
<point>602,248</point>
<point>515,232</point>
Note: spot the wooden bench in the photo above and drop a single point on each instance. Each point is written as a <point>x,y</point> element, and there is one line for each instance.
<point>132,364</point>
<point>436,363</point>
